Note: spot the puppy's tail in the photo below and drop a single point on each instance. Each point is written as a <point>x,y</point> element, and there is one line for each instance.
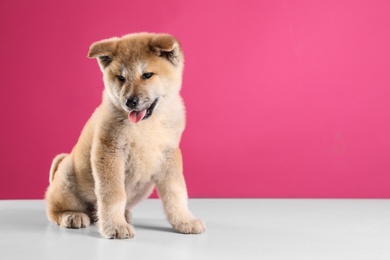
<point>54,165</point>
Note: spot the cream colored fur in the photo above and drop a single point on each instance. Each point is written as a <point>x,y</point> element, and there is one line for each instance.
<point>116,162</point>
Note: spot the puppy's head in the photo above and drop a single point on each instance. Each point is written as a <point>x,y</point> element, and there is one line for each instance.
<point>139,71</point>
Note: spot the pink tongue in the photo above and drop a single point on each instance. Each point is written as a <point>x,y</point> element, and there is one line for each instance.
<point>136,116</point>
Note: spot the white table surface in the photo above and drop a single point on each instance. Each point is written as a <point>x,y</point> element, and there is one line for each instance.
<point>237,229</point>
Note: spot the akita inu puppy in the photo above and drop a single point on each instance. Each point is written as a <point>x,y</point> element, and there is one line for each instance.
<point>130,144</point>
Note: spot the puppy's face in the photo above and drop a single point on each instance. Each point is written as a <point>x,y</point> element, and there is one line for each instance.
<point>139,71</point>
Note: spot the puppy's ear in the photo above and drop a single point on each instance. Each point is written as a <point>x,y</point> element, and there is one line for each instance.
<point>104,50</point>
<point>166,46</point>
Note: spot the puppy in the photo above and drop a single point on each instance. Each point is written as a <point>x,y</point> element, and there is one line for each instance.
<point>130,144</point>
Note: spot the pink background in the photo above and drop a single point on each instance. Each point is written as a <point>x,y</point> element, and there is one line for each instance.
<point>284,98</point>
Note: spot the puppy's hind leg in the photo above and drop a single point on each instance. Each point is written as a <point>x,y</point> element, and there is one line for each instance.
<point>64,207</point>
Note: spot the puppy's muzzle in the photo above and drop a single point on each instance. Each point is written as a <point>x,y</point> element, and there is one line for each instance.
<point>139,110</point>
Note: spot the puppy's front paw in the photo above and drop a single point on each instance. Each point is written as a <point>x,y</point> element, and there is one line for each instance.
<point>195,226</point>
<point>117,230</point>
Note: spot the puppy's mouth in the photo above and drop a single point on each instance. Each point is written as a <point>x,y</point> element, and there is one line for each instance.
<point>136,116</point>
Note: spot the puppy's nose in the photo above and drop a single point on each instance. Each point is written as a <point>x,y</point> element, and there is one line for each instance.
<point>132,102</point>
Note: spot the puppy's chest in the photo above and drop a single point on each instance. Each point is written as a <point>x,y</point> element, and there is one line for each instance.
<point>145,153</point>
<point>143,160</point>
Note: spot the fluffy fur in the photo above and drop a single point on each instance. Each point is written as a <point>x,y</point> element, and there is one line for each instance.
<point>130,144</point>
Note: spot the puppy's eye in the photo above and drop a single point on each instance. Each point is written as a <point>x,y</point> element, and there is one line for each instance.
<point>121,78</point>
<point>147,75</point>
